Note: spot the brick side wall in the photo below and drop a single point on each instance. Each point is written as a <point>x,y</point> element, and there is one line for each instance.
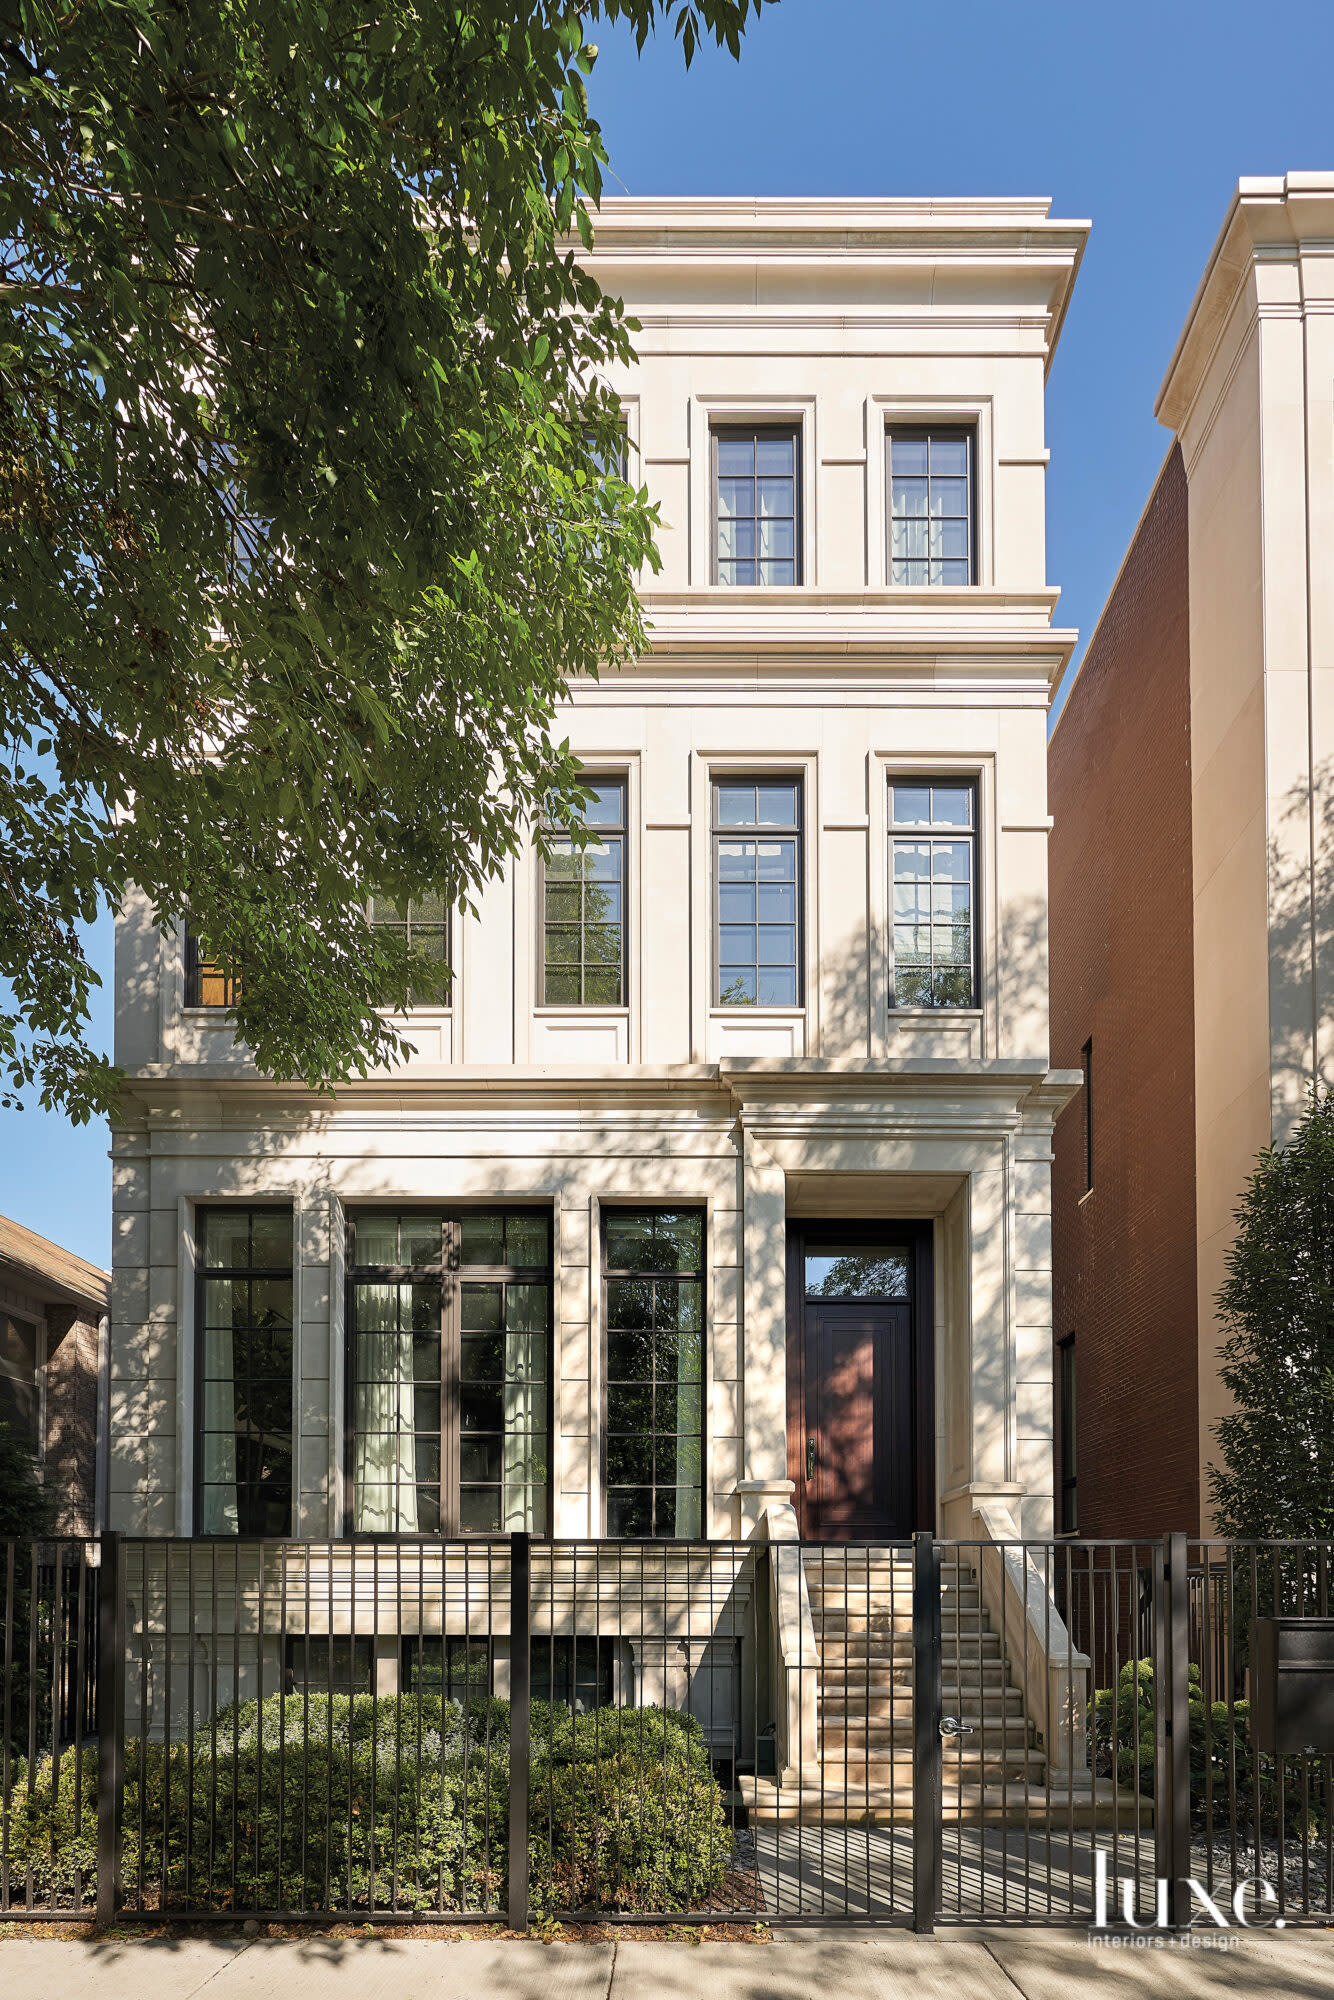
<point>71,1417</point>
<point>1121,973</point>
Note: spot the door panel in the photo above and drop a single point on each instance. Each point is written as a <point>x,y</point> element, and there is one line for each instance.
<point>858,1369</point>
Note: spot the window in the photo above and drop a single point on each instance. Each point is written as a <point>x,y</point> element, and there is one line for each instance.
<point>933,856</point>
<point>329,1663</point>
<point>450,1328</point>
<point>614,464</point>
<point>578,1673</point>
<point>424,924</point>
<point>206,983</point>
<point>653,1310</point>
<point>931,526</point>
<point>757,518</point>
<point>458,1667</point>
<point>18,1376</point>
<point>856,1271</point>
<point>1086,1064</point>
<point>244,1308</point>
<point>1068,1506</point>
<point>583,907</point>
<point>757,891</point>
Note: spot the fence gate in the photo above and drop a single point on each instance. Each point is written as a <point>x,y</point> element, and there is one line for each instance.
<point>927,1733</point>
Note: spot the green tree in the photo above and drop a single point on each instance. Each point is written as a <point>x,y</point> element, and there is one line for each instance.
<point>305,520</point>
<point>1277,1307</point>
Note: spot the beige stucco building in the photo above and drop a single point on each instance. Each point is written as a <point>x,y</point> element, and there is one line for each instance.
<point>781,1058</point>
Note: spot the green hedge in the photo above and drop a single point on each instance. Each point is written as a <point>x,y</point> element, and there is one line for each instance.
<point>1220,1744</point>
<point>359,1802</point>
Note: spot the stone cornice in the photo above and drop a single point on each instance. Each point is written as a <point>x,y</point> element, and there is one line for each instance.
<point>1270,217</point>
<point>754,1088</point>
<point>1013,247</point>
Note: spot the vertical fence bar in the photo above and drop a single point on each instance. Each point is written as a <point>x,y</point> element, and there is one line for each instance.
<point>927,1831</point>
<point>110,1725</point>
<point>1173,1666</point>
<point>520,1718</point>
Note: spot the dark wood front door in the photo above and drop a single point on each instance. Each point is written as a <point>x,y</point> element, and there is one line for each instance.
<point>859,1420</point>
<point>859,1384</point>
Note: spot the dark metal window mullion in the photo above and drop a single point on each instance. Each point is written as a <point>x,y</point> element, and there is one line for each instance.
<point>451,1348</point>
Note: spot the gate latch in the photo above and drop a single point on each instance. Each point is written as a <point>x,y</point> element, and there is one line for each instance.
<point>952,1725</point>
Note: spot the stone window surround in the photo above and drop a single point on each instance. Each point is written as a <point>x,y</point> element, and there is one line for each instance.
<point>885,768</point>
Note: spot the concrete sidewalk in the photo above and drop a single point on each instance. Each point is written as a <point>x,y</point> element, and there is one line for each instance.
<point>990,1965</point>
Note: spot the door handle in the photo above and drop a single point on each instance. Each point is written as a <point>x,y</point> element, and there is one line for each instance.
<point>810,1458</point>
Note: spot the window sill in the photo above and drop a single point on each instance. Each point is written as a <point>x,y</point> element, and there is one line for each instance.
<point>589,1012</point>
<point>915,1014</point>
<point>717,1013</point>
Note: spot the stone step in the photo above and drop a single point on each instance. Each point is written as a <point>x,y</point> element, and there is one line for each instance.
<point>768,1802</point>
<point>996,1733</point>
<point>976,1703</point>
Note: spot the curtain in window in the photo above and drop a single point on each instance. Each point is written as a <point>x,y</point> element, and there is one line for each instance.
<point>218,1503</point>
<point>385,1465</point>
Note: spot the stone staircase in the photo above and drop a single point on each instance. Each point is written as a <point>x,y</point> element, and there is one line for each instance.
<point>861,1605</point>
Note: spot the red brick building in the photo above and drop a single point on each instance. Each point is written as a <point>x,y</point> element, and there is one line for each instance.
<point>1123,1183</point>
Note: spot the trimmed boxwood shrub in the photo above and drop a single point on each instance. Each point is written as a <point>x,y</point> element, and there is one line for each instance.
<point>1215,1750</point>
<point>318,1801</point>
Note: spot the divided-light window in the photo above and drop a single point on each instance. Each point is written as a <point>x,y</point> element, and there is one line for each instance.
<point>424,923</point>
<point>653,1296</point>
<point>583,906</point>
<point>449,1331</point>
<point>756,504</point>
<point>933,870</point>
<point>244,1307</point>
<point>757,891</point>
<point>932,505</point>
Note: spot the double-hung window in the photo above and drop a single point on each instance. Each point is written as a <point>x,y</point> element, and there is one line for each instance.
<point>756,504</point>
<point>653,1308</point>
<point>932,510</point>
<point>933,870</point>
<point>423,922</point>
<point>757,891</point>
<point>244,1316</point>
<point>449,1319</point>
<point>583,906</point>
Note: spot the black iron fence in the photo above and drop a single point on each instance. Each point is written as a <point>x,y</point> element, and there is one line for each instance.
<point>764,1731</point>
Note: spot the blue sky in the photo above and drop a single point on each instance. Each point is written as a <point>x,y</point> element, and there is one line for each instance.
<point>1139,117</point>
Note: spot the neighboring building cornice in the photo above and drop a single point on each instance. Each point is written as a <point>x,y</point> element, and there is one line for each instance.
<point>1270,218</point>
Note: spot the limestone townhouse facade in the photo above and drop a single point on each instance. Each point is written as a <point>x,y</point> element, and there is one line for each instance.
<point>720,1182</point>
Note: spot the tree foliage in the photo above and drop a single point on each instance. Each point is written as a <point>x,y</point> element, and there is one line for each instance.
<point>304,522</point>
<point>1277,1307</point>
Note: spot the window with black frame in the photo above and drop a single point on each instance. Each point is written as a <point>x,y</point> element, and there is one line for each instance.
<point>583,905</point>
<point>449,1321</point>
<point>932,529</point>
<point>933,871</point>
<point>423,922</point>
<point>757,891</point>
<point>757,504</point>
<point>243,1474</point>
<point>653,1307</point>
<point>1065,1394</point>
